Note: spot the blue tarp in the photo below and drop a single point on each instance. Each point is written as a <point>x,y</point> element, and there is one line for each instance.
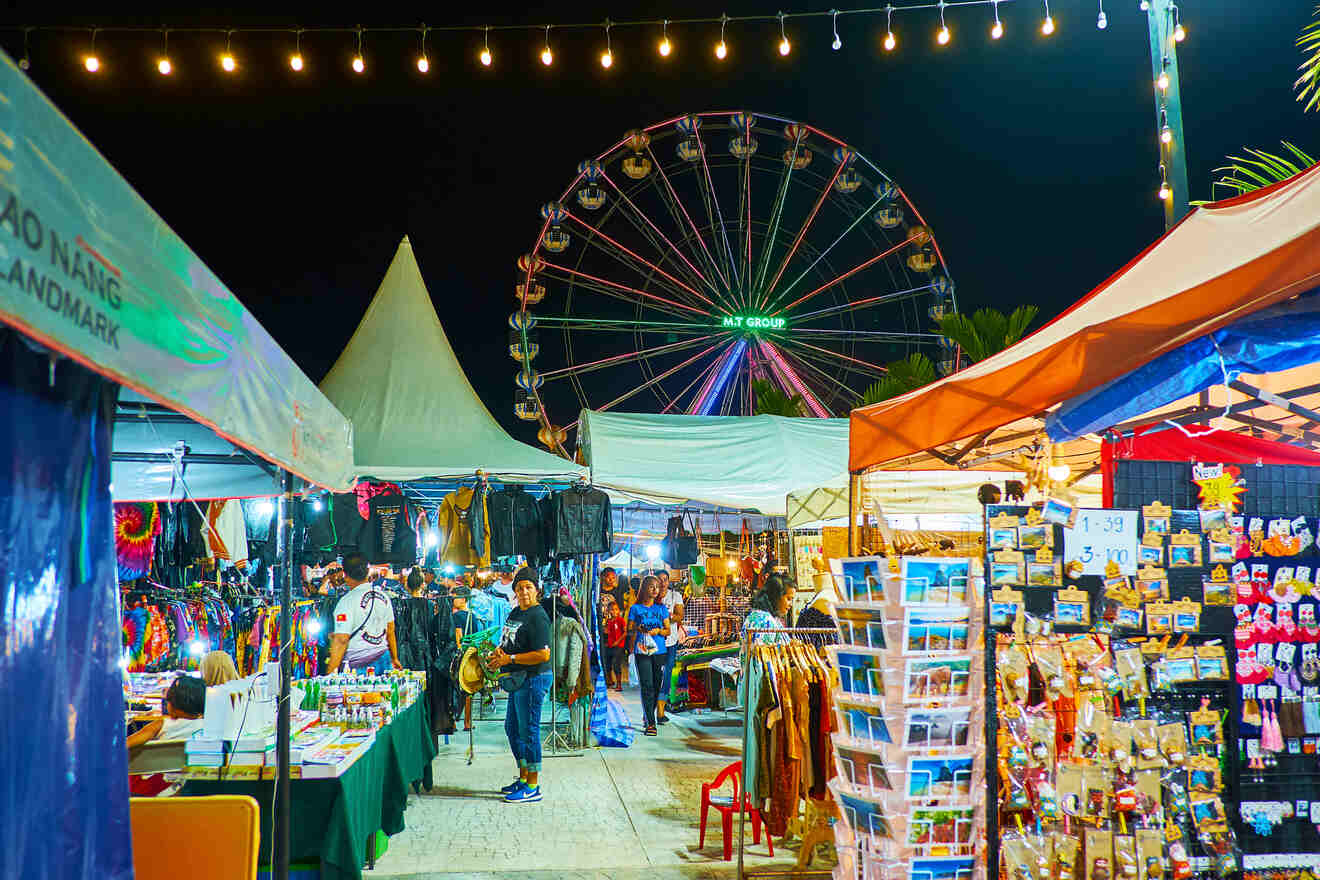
<point>63,762</point>
<point>1278,338</point>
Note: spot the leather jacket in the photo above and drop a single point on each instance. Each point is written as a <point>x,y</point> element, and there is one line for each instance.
<point>514,523</point>
<point>578,521</point>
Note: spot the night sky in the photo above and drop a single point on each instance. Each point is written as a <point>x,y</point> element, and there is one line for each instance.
<point>1033,159</point>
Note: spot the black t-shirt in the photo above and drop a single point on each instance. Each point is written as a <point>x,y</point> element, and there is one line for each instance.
<point>526,631</point>
<point>463,621</point>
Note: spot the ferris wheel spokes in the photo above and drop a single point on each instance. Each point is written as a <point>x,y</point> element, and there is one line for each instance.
<point>806,362</point>
<point>845,276</point>
<point>700,377</point>
<point>824,194</point>
<point>854,305</point>
<point>708,195</point>
<point>655,380</point>
<point>674,201</point>
<point>601,236</point>
<point>860,217</point>
<point>776,214</point>
<point>625,288</point>
<point>696,273</point>
<point>668,348</point>
<point>789,380</point>
<point>876,368</point>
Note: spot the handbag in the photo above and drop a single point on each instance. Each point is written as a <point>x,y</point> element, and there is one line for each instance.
<point>679,548</point>
<point>512,681</point>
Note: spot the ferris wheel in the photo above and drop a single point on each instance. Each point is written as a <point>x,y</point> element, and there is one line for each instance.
<point>704,254</point>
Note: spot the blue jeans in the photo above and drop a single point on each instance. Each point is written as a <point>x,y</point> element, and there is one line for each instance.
<point>379,666</point>
<point>667,674</point>
<point>522,721</point>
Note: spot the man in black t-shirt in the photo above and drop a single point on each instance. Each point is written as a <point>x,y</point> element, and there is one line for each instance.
<point>524,653</point>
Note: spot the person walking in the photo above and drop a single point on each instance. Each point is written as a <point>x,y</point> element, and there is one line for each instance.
<point>672,599</point>
<point>616,646</point>
<point>525,646</point>
<point>648,625</point>
<point>364,624</point>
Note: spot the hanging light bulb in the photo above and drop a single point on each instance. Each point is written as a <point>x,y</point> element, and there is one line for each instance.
<point>607,57</point>
<point>1166,134</point>
<point>665,47</point>
<point>722,50</point>
<point>1179,33</point>
<point>1047,27</point>
<point>485,57</point>
<point>996,29</point>
<point>296,59</point>
<point>890,42</point>
<point>547,57</point>
<point>1143,5</point>
<point>784,46</point>
<point>91,62</point>
<point>1162,82</point>
<point>423,63</point>
<point>1102,21</point>
<point>943,37</point>
<point>359,63</point>
<point>1165,193</point>
<point>227,62</point>
<point>837,43</point>
<point>163,65</point>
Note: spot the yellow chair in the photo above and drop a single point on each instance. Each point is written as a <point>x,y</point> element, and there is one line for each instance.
<point>201,838</point>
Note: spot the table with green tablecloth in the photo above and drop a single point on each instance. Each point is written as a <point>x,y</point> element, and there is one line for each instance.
<point>332,819</point>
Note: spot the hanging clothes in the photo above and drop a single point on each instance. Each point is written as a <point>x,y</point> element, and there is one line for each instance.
<point>137,525</point>
<point>226,534</point>
<point>515,524</point>
<point>365,490</point>
<point>389,536</point>
<point>578,521</point>
<point>456,537</point>
<point>347,521</point>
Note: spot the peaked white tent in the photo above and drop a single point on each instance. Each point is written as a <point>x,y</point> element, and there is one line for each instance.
<point>414,412</point>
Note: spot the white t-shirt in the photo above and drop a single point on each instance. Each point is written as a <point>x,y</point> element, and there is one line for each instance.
<point>672,598</point>
<point>505,590</point>
<point>364,603</point>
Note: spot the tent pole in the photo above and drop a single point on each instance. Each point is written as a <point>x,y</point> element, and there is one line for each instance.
<point>280,845</point>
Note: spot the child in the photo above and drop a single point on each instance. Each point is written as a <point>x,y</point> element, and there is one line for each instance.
<point>615,651</point>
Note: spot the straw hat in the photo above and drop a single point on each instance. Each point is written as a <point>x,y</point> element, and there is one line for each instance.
<point>471,675</point>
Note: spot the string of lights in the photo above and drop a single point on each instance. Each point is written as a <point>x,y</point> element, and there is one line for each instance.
<point>229,61</point>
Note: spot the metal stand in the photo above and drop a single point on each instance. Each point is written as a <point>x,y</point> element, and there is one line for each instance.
<point>748,710</point>
<point>555,743</point>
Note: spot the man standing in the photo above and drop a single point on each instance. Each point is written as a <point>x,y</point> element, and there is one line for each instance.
<point>364,624</point>
<point>672,599</point>
<point>504,586</point>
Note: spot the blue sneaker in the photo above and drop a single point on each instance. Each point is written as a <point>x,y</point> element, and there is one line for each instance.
<point>523,795</point>
<point>512,787</point>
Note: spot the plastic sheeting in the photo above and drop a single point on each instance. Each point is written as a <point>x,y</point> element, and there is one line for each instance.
<point>63,762</point>
<point>414,412</point>
<point>1273,339</point>
<point>88,269</point>
<point>738,462</point>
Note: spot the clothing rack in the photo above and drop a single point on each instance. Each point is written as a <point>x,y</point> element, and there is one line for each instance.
<point>561,746</point>
<point>744,656</point>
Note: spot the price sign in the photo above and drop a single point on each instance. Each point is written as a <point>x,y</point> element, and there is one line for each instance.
<point>1102,536</point>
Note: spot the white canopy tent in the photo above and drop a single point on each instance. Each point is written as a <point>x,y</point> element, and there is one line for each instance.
<point>415,412</point>
<point>738,462</point>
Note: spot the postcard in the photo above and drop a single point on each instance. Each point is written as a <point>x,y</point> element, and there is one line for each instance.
<point>948,778</point>
<point>943,679</point>
<point>936,581</point>
<point>931,630</point>
<point>937,728</point>
<point>860,578</point>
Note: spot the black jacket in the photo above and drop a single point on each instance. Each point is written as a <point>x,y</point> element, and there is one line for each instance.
<point>578,521</point>
<point>515,524</point>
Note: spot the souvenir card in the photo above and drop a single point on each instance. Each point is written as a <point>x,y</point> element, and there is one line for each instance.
<point>1006,607</point>
<point>1072,608</point>
<point>864,814</point>
<point>1184,550</point>
<point>941,869</point>
<point>1204,775</point>
<point>1130,666</point>
<point>1003,539</point>
<point>862,765</point>
<point>1156,517</point>
<point>1150,554</point>
<point>1173,743</point>
<point>1208,813</point>
<point>1099,846</point>
<point>1221,551</point>
<point>936,581</point>
<point>1128,618</point>
<point>1186,616</point>
<point>934,680</point>
<point>1152,584</point>
<point>1146,744</point>
<point>861,722</point>
<point>1004,521</point>
<point>946,778</point>
<point>951,829</point>
<point>860,578</point>
<point>1025,856</point>
<point>1043,574</point>
<point>935,630</point>
<point>1035,537</point>
<point>1059,511</point>
<point>1213,520</point>
<point>860,624</point>
<point>861,671</point>
<point>1014,669</point>
<point>1211,663</point>
<point>1207,731</point>
<point>1067,854</point>
<point>1179,665</point>
<point>1216,589</point>
<point>1003,573</point>
<point>937,728</point>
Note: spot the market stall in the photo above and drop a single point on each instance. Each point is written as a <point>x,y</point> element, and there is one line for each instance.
<point>100,294</point>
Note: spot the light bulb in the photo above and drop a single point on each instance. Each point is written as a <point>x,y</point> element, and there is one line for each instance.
<point>943,37</point>
<point>423,64</point>
<point>997,31</point>
<point>837,44</point>
<point>1059,472</point>
<point>1166,135</point>
<point>606,59</point>
<point>228,63</point>
<point>1163,82</point>
<point>1048,27</point>
<point>665,48</point>
<point>1178,33</point>
<point>1144,5</point>
<point>358,64</point>
<point>265,507</point>
<point>164,66</point>
<point>296,62</point>
<point>784,47</point>
<point>485,58</point>
<point>197,648</point>
<point>1103,21</point>
<point>313,627</point>
<point>547,57</point>
<point>721,50</point>
<point>1165,192</point>
<point>653,551</point>
<point>890,42</point>
<point>92,63</point>
<point>317,505</point>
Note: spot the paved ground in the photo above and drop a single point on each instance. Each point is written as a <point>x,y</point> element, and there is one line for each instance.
<point>610,814</point>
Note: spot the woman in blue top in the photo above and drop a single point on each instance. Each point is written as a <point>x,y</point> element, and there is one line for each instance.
<point>648,624</point>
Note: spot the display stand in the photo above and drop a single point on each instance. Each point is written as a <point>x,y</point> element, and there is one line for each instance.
<point>746,739</point>
<point>567,737</point>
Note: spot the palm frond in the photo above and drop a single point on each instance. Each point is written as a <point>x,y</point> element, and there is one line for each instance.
<point>1308,84</point>
<point>909,374</point>
<point>1259,169</point>
<point>772,401</point>
<point>1018,322</point>
<point>988,331</point>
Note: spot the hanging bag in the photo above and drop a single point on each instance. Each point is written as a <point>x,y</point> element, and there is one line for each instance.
<point>680,544</point>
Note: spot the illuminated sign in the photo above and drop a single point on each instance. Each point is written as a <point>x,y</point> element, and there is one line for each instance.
<point>753,322</point>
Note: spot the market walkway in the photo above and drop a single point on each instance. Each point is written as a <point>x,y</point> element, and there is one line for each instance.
<point>621,814</point>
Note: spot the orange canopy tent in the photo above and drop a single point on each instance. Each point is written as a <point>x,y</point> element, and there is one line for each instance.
<point>1222,262</point>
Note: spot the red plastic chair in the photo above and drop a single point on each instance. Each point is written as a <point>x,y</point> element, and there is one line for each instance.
<point>727,808</point>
